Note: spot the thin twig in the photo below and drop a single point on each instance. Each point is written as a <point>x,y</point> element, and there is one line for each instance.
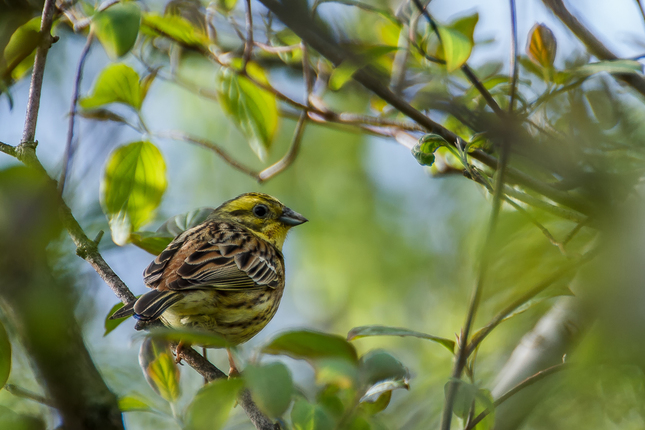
<point>248,44</point>
<point>291,154</point>
<point>515,64</point>
<point>640,7</point>
<point>67,157</point>
<point>575,231</point>
<point>519,387</point>
<point>277,49</point>
<point>35,88</point>
<point>178,135</point>
<point>26,394</point>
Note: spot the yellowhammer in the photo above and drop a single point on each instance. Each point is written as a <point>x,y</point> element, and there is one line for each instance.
<point>224,276</point>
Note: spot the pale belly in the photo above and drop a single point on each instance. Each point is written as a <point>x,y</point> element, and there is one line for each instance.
<point>235,315</point>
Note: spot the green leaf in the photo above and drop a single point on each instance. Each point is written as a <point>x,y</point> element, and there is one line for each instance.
<point>195,337</point>
<point>610,66</point>
<point>132,188</point>
<point>117,28</point>
<point>271,387</point>
<point>464,399</point>
<point>150,241</point>
<point>253,109</point>
<point>5,356</point>
<point>457,41</point>
<point>117,83</point>
<point>225,6</point>
<point>379,330</point>
<point>542,46</point>
<point>483,401</point>
<point>176,225</point>
<point>305,416</point>
<point>174,27</point>
<point>379,366</point>
<point>112,324</point>
<point>311,345</point>
<point>373,404</point>
<point>212,404</point>
<point>336,371</point>
<point>159,368</point>
<point>344,72</point>
<point>18,55</point>
<point>134,404</point>
<point>14,421</point>
<point>424,150</point>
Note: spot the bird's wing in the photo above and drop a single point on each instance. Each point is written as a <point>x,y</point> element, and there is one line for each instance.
<point>216,255</point>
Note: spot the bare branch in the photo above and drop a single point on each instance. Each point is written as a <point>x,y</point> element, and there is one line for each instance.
<point>248,44</point>
<point>515,64</point>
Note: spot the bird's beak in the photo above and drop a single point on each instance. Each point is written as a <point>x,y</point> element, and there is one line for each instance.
<point>291,218</point>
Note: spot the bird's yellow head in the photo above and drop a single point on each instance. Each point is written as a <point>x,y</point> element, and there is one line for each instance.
<point>264,215</point>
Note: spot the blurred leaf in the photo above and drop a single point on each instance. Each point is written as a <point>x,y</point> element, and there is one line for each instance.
<point>464,399</point>
<point>345,70</point>
<point>18,55</point>
<point>14,421</point>
<point>112,324</point>
<point>225,6</point>
<point>305,416</point>
<point>150,241</point>
<point>336,371</point>
<point>483,401</point>
<point>212,404</point>
<point>311,345</point>
<point>610,66</point>
<point>132,404</point>
<point>147,80</point>
<point>379,330</point>
<point>253,109</point>
<point>195,337</point>
<point>102,115</point>
<point>375,403</point>
<point>424,150</point>
<point>479,141</point>
<point>117,83</point>
<point>542,46</point>
<point>5,356</point>
<point>271,387</point>
<point>159,368</point>
<point>329,400</point>
<point>176,225</point>
<point>602,105</point>
<point>457,41</point>
<point>132,188</point>
<point>117,28</point>
<point>174,27</point>
<point>381,368</point>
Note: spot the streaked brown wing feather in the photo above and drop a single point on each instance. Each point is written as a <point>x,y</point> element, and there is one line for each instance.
<point>218,255</point>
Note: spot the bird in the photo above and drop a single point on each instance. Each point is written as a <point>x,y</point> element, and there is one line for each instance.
<point>224,276</point>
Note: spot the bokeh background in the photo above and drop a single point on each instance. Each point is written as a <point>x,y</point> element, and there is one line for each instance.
<point>386,242</point>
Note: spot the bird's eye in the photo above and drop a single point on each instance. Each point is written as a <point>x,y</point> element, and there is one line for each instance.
<point>260,211</point>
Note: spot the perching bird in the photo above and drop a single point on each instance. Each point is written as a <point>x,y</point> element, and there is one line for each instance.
<point>224,276</point>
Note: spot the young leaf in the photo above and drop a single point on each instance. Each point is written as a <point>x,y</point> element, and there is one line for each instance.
<point>117,28</point>
<point>112,324</point>
<point>610,66</point>
<point>159,368</point>
<point>210,408</point>
<point>132,188</point>
<point>542,46</point>
<point>379,330</point>
<point>18,56</point>
<point>133,403</point>
<point>457,41</point>
<point>311,345</point>
<point>306,416</point>
<point>271,387</point>
<point>338,372</point>
<point>253,109</point>
<point>373,403</point>
<point>150,241</point>
<point>464,399</point>
<point>424,150</point>
<point>117,83</point>
<point>101,115</point>
<point>176,225</point>
<point>5,356</point>
<point>174,27</point>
